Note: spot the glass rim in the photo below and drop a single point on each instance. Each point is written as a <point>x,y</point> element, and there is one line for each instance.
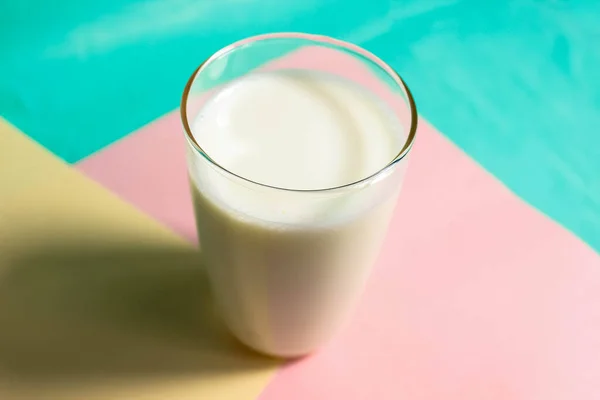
<point>322,39</point>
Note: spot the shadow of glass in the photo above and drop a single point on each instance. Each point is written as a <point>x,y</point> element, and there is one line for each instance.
<point>76,312</point>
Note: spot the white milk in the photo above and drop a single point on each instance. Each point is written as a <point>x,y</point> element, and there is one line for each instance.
<point>286,266</point>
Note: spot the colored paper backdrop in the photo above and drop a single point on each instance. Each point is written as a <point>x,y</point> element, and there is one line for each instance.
<point>505,309</point>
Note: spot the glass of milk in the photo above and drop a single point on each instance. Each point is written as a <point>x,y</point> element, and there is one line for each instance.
<point>296,145</point>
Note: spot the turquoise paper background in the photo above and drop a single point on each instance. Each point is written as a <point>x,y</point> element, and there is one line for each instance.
<point>515,83</point>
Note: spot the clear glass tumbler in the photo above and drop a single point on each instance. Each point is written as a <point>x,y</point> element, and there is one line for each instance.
<point>285,286</point>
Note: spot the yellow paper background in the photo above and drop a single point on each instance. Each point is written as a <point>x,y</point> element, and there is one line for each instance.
<point>98,301</point>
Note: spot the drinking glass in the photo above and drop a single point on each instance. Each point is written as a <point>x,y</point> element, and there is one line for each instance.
<point>285,286</point>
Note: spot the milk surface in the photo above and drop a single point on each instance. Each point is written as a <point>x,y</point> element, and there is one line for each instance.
<point>287,266</point>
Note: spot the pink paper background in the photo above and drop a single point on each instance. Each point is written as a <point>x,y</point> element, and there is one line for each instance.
<point>476,296</point>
